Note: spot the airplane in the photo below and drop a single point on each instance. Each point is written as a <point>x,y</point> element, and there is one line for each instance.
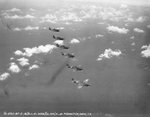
<point>68,65</point>
<point>58,38</point>
<point>54,37</point>
<point>75,68</point>
<point>62,46</point>
<point>68,55</point>
<point>81,84</point>
<point>54,30</point>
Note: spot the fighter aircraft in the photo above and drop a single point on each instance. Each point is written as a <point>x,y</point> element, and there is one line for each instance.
<point>69,55</point>
<point>62,46</point>
<point>54,29</point>
<point>75,68</point>
<point>81,84</point>
<point>58,38</point>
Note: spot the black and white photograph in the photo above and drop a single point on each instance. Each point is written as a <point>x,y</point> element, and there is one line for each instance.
<point>74,58</point>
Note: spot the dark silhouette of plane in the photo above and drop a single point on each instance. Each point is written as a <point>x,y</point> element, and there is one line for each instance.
<point>62,46</point>
<point>81,84</point>
<point>69,55</point>
<point>58,38</point>
<point>75,68</point>
<point>54,29</point>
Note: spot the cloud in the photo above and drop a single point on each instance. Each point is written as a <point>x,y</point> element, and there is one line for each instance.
<point>108,53</point>
<point>31,9</point>
<point>59,42</point>
<point>49,18</point>
<point>146,52</point>
<point>117,29</point>
<point>13,10</point>
<point>148,26</point>
<point>17,29</point>
<point>71,17</point>
<point>12,58</point>
<point>7,16</point>
<point>140,19</point>
<point>34,67</point>
<point>132,37</point>
<point>28,16</point>
<point>130,19</point>
<point>74,41</point>
<point>99,35</point>
<point>133,44</point>
<point>123,6</point>
<point>23,61</point>
<point>60,28</point>
<point>19,53</point>
<point>4,76</point>
<point>28,28</point>
<point>28,52</point>
<point>14,68</point>
<point>138,30</point>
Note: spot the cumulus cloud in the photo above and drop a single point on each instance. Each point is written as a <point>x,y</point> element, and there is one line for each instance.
<point>28,52</point>
<point>146,52</point>
<point>31,9</point>
<point>138,30</point>
<point>99,35</point>
<point>29,16</point>
<point>71,17</point>
<point>60,28</point>
<point>74,41</point>
<point>12,58</point>
<point>108,53</point>
<point>7,16</point>
<point>34,67</point>
<point>49,18</point>
<point>28,28</point>
<point>130,19</point>
<point>117,29</point>
<point>17,29</point>
<point>4,76</point>
<point>123,6</point>
<point>14,68</point>
<point>13,10</point>
<point>140,19</point>
<point>133,44</point>
<point>19,53</point>
<point>59,42</point>
<point>23,61</point>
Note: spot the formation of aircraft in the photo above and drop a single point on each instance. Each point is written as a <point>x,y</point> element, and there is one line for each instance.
<point>54,29</point>
<point>69,55</point>
<point>81,84</point>
<point>58,38</point>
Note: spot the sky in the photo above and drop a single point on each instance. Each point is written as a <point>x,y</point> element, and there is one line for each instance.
<point>46,2</point>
